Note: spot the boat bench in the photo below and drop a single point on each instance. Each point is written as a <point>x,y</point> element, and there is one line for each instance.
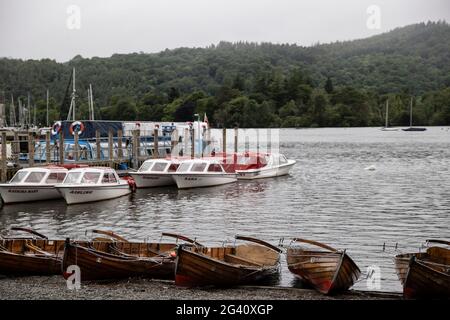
<point>231,258</point>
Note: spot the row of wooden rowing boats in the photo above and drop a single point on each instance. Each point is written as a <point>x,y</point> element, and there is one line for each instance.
<point>250,261</point>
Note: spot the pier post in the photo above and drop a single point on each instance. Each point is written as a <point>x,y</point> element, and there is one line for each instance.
<point>119,144</point>
<point>174,141</point>
<point>155,144</point>
<point>30,149</point>
<point>224,140</point>
<point>236,139</point>
<point>192,143</point>
<point>47,148</point>
<point>16,147</point>
<point>61,147</point>
<point>98,145</point>
<point>185,140</point>
<point>110,147</point>
<point>76,146</point>
<point>4,158</point>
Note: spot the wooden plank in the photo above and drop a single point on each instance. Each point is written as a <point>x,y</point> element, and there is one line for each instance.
<point>30,149</point>
<point>4,158</point>
<point>76,146</point>
<point>47,147</point>
<point>98,145</point>
<point>61,147</point>
<point>119,144</point>
<point>155,144</point>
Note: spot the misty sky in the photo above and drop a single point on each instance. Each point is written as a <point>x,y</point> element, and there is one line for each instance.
<point>38,29</point>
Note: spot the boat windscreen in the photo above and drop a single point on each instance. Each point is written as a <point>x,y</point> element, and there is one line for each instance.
<point>215,167</point>
<point>199,167</point>
<point>146,166</point>
<point>18,177</point>
<point>90,177</point>
<point>35,177</point>
<point>72,177</point>
<point>159,166</point>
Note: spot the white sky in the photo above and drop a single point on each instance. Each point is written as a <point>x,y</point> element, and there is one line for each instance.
<point>38,28</point>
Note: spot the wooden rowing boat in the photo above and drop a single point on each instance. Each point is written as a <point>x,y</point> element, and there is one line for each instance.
<point>328,270</point>
<point>30,255</point>
<point>103,260</point>
<point>228,265</point>
<point>425,274</point>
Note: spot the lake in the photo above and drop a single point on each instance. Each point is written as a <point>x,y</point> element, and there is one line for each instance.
<point>329,196</point>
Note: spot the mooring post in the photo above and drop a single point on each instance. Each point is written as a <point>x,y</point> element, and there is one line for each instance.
<point>98,145</point>
<point>192,143</point>
<point>30,149</point>
<point>16,147</point>
<point>236,139</point>
<point>110,147</point>
<point>208,140</point>
<point>186,141</point>
<point>174,140</point>
<point>119,144</point>
<point>155,143</point>
<point>224,141</point>
<point>47,148</point>
<point>61,147</point>
<point>4,158</point>
<point>76,146</point>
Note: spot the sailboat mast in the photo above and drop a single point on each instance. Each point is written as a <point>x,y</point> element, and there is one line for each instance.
<point>47,111</point>
<point>410,112</point>
<point>91,99</point>
<point>73,95</point>
<point>387,113</point>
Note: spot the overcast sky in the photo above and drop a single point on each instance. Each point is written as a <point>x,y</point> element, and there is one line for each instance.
<point>51,28</point>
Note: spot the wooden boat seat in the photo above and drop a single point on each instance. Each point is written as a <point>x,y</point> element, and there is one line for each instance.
<point>231,258</point>
<point>36,249</point>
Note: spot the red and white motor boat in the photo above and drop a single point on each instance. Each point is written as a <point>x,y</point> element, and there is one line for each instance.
<point>262,165</point>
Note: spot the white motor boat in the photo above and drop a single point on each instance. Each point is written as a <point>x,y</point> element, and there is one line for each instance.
<point>92,184</point>
<point>262,166</point>
<point>33,184</point>
<point>202,173</point>
<point>155,173</point>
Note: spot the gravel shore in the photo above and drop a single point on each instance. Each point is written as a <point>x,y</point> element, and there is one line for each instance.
<point>54,288</point>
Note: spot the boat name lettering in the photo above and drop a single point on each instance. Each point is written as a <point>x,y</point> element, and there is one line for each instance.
<point>81,191</point>
<point>22,191</point>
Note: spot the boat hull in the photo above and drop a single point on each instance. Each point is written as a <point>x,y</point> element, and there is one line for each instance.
<point>195,269</point>
<point>414,129</point>
<point>327,272</point>
<point>265,172</point>
<point>426,280</point>
<point>98,265</point>
<point>26,193</point>
<point>185,181</point>
<point>148,180</point>
<point>83,194</point>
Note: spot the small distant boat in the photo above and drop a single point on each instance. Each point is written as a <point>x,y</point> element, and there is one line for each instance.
<point>204,172</point>
<point>33,184</point>
<point>386,126</point>
<point>155,173</point>
<point>93,184</point>
<point>227,265</point>
<point>425,274</point>
<point>329,271</point>
<point>256,166</point>
<point>411,128</point>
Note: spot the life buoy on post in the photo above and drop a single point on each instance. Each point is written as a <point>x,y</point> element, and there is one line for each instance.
<point>77,127</point>
<point>56,128</point>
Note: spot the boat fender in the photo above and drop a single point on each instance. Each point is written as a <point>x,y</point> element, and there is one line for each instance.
<point>76,126</point>
<point>131,183</point>
<point>56,128</point>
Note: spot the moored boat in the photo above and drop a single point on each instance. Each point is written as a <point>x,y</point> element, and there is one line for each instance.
<point>204,172</point>
<point>425,274</point>
<point>92,184</point>
<point>259,165</point>
<point>328,270</point>
<point>248,263</point>
<point>33,184</point>
<point>155,173</point>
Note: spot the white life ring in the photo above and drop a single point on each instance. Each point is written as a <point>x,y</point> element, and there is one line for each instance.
<point>56,128</point>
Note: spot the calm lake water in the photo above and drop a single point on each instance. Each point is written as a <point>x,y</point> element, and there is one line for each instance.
<point>329,196</point>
